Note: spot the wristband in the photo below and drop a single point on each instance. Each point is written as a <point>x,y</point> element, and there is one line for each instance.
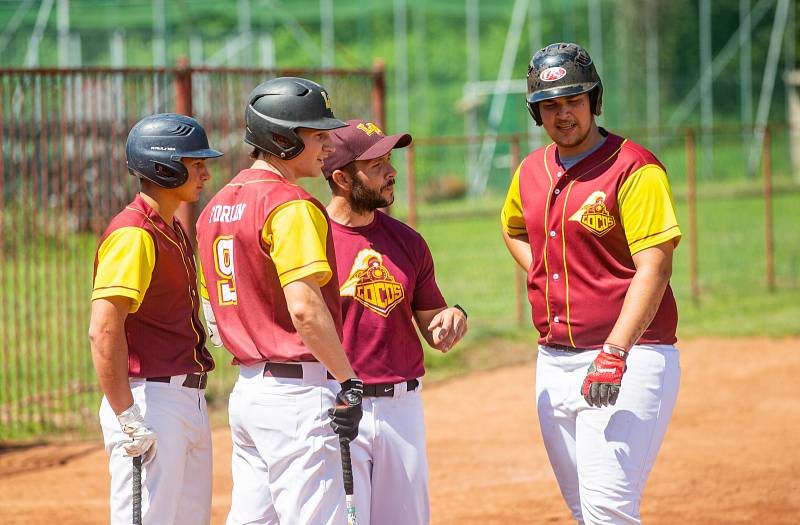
<point>615,350</point>
<point>462,310</point>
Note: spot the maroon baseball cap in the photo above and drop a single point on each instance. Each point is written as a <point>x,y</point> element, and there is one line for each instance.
<point>360,140</point>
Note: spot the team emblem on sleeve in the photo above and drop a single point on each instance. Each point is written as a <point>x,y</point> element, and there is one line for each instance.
<point>371,284</point>
<point>594,215</point>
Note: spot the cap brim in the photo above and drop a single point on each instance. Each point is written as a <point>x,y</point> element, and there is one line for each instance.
<point>385,145</point>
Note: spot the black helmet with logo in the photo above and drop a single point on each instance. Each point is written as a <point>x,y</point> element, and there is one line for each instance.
<point>280,106</point>
<point>156,145</point>
<point>562,70</point>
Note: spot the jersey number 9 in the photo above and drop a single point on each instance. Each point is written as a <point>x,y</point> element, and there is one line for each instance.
<point>223,262</point>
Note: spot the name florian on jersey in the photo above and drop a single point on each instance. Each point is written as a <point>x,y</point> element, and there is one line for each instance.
<point>224,213</point>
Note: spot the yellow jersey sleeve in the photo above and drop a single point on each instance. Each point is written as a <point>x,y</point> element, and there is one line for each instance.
<point>202,279</point>
<point>511,216</point>
<point>125,262</point>
<point>647,209</point>
<point>296,234</point>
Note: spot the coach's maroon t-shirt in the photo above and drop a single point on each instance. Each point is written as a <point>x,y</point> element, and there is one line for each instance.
<point>385,272</point>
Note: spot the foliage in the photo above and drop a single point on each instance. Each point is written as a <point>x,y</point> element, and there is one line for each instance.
<point>436,46</point>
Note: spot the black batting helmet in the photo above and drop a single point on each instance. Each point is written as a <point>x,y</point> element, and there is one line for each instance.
<point>562,70</point>
<point>280,106</point>
<point>156,145</point>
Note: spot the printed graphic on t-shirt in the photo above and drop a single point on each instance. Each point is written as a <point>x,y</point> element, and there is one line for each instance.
<point>594,215</point>
<point>371,284</point>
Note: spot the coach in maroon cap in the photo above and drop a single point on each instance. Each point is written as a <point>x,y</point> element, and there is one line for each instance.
<point>363,141</point>
<point>386,282</point>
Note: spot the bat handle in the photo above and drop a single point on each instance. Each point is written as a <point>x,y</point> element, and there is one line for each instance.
<point>347,473</point>
<point>137,490</point>
<point>347,466</point>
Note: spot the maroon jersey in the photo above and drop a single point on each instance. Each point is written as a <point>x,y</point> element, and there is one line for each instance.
<point>385,273</point>
<point>243,283</point>
<point>582,264</point>
<point>165,336</point>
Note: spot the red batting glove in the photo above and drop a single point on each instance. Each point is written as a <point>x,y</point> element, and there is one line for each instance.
<point>601,386</point>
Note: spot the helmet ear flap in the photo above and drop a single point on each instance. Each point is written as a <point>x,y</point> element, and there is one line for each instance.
<point>596,100</point>
<point>533,109</point>
<point>170,176</point>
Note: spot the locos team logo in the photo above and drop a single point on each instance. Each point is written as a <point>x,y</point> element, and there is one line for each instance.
<point>371,284</point>
<point>551,74</point>
<point>369,128</point>
<point>594,215</point>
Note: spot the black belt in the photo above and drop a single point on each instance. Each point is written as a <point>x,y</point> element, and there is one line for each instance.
<point>387,389</point>
<point>566,348</point>
<point>295,371</point>
<point>285,370</point>
<point>191,381</point>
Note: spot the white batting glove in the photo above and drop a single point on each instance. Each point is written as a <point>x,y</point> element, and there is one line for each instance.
<point>143,440</point>
<point>211,323</point>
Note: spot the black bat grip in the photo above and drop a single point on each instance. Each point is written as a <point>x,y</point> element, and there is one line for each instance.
<point>137,490</point>
<point>347,465</point>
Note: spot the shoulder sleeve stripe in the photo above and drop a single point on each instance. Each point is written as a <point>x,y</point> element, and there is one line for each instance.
<point>110,287</point>
<point>675,227</point>
<point>301,267</point>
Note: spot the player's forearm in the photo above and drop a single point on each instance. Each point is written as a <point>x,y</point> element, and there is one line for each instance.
<point>640,306</point>
<point>314,323</point>
<point>520,249</point>
<point>423,319</point>
<point>110,357</point>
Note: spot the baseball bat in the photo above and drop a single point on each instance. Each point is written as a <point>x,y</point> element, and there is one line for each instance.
<point>137,490</point>
<point>347,474</point>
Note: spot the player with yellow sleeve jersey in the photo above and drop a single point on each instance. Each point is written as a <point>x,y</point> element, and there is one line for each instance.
<point>269,267</point>
<point>591,218</point>
<point>147,340</point>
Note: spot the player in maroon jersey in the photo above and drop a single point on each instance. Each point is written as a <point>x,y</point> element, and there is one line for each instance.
<point>387,283</point>
<point>590,217</point>
<point>148,344</point>
<point>270,279</point>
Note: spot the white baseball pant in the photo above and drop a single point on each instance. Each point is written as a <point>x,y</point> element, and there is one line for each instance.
<point>390,465</point>
<point>602,457</point>
<point>176,482</point>
<point>286,464</point>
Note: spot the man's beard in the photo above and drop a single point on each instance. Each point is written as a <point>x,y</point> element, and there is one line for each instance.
<point>364,199</point>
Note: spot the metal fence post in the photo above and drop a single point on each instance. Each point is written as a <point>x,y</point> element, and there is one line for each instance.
<point>519,274</point>
<point>691,198</point>
<point>187,211</point>
<point>379,93</point>
<point>411,189</point>
<point>769,246</point>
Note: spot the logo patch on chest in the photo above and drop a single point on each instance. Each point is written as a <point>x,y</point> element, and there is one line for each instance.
<point>594,215</point>
<point>371,284</point>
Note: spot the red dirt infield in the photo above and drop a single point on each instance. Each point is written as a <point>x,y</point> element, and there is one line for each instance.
<point>727,457</point>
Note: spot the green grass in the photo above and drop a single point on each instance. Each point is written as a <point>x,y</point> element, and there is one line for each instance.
<point>474,269</point>
<point>47,380</point>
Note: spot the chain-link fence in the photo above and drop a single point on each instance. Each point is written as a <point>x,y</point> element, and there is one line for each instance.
<point>63,177</point>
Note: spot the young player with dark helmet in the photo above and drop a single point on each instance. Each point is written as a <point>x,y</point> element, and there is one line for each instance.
<point>269,267</point>
<point>147,341</point>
